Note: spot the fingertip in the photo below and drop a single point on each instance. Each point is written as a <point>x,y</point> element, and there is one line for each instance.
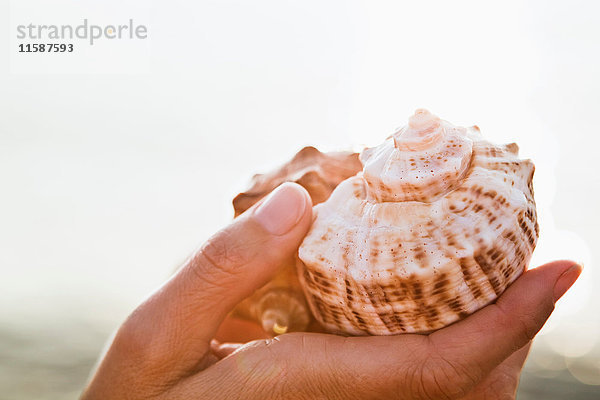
<point>556,264</point>
<point>303,193</point>
<point>542,282</point>
<point>284,209</point>
<point>222,350</point>
<point>559,275</point>
<point>566,280</point>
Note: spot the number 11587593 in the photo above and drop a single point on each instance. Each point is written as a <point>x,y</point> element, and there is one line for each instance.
<point>45,48</point>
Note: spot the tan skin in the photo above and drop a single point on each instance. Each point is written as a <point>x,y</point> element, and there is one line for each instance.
<point>166,349</point>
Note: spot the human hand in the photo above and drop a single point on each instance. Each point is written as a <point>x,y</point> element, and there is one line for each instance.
<point>165,348</point>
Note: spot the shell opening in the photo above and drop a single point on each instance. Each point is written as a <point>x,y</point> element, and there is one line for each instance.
<point>281,311</point>
<point>279,329</point>
<point>274,321</point>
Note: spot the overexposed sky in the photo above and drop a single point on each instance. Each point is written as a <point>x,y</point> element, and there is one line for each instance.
<point>108,181</point>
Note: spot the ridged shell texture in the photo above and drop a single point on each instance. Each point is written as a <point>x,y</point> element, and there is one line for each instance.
<point>439,223</point>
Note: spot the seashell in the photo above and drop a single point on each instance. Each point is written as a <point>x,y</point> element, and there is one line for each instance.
<point>280,306</point>
<point>438,224</point>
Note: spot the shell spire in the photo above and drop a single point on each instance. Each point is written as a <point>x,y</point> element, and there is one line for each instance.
<point>423,131</point>
<point>422,161</point>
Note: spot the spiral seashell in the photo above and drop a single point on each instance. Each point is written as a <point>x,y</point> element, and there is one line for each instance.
<point>437,225</point>
<point>280,306</point>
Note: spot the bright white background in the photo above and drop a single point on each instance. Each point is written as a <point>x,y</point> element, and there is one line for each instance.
<point>108,181</point>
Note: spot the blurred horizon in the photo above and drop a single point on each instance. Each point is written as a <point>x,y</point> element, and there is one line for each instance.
<point>109,181</point>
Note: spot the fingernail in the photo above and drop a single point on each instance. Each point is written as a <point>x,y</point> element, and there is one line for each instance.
<point>566,280</point>
<point>282,209</point>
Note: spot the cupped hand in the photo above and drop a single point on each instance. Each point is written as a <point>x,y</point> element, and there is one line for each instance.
<point>166,348</point>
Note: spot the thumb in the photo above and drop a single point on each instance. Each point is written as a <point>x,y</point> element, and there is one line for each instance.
<point>245,255</point>
<point>170,332</point>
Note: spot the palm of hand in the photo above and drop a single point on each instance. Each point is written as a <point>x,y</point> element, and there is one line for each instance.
<point>428,375</point>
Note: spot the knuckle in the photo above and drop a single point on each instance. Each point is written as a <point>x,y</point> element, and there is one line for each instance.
<point>222,256</point>
<point>223,253</point>
<point>527,329</point>
<point>434,381</point>
<point>436,377</point>
<point>527,324</point>
<point>226,254</point>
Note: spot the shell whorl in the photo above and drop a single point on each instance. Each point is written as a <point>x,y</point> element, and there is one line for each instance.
<point>439,223</point>
<point>422,161</point>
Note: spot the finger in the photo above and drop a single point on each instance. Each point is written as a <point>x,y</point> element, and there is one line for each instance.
<point>222,350</point>
<point>503,381</point>
<point>169,333</point>
<point>312,365</point>
<point>483,340</point>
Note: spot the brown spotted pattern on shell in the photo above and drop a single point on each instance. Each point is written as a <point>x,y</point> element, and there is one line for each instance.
<point>439,223</point>
<point>280,306</point>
